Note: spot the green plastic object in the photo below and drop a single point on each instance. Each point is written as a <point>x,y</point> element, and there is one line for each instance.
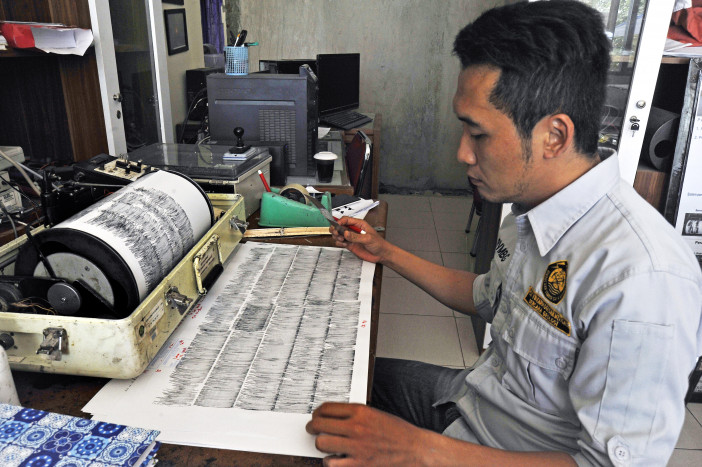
<point>279,211</point>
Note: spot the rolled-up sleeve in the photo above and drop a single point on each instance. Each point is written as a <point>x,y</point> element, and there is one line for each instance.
<point>631,375</point>
<point>484,297</point>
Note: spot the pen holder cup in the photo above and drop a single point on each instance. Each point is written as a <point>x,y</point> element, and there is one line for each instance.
<point>236,60</point>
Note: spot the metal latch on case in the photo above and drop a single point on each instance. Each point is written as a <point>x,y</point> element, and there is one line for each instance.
<point>55,343</point>
<point>177,300</point>
<point>235,222</point>
<point>207,264</point>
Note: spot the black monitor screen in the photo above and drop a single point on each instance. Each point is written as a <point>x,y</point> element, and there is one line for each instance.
<point>338,76</point>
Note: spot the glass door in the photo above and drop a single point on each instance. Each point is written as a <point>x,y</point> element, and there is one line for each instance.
<point>637,29</point>
<point>131,55</point>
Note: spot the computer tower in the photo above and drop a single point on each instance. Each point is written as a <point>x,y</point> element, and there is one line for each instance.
<point>196,81</point>
<point>269,107</point>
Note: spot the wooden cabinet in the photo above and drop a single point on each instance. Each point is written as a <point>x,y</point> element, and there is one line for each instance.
<point>50,104</point>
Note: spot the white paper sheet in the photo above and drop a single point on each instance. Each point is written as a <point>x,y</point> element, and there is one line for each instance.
<point>675,48</point>
<point>63,41</point>
<point>357,209</point>
<point>284,329</point>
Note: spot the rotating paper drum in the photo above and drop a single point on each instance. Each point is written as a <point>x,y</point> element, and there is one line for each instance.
<point>125,244</point>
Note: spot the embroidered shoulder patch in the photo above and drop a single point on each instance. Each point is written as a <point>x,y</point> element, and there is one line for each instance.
<point>553,317</point>
<point>554,283</point>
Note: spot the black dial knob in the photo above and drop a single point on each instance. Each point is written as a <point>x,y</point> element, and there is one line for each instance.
<point>239,133</point>
<point>240,147</point>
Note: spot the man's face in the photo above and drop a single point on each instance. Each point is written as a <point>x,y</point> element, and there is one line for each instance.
<point>499,164</point>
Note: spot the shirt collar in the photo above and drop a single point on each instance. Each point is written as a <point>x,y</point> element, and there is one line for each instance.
<point>552,218</point>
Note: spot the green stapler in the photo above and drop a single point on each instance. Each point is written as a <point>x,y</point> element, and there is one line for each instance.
<point>278,210</point>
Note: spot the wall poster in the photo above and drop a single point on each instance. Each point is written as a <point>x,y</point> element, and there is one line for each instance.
<point>683,207</point>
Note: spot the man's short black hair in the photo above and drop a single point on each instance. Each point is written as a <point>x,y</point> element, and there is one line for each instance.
<point>553,57</point>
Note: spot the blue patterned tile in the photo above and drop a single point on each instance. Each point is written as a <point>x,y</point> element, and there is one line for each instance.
<point>107,429</point>
<point>12,456</point>
<point>8,411</point>
<point>30,415</point>
<point>81,425</point>
<point>55,420</point>
<point>41,459</point>
<point>89,447</point>
<point>117,452</point>
<point>34,438</point>
<point>74,462</point>
<point>62,441</point>
<point>11,429</point>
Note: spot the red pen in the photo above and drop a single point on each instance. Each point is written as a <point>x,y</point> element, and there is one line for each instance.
<point>263,179</point>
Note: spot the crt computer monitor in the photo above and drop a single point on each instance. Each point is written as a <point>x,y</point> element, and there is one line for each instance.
<point>338,80</point>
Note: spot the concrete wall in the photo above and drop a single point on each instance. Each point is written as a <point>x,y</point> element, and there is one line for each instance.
<point>407,70</point>
<point>178,63</point>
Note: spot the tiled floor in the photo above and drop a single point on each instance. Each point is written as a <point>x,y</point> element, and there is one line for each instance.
<point>414,326</point>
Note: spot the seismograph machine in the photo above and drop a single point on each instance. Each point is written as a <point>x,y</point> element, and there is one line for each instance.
<point>126,251</point>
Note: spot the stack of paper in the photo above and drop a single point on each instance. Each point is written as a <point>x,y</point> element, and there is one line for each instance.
<point>35,437</point>
<point>49,37</point>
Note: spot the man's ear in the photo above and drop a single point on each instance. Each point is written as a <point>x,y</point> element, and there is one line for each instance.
<point>559,135</point>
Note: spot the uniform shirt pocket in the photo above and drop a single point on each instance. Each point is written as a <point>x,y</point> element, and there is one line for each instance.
<point>539,361</point>
<point>633,364</point>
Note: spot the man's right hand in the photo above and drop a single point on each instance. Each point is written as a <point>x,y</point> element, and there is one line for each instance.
<point>453,288</point>
<point>369,246</point>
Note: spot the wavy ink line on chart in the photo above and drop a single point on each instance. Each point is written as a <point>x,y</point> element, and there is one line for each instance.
<point>153,226</point>
<point>280,336</point>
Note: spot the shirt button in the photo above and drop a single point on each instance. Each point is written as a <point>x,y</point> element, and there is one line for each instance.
<point>621,452</point>
<point>496,362</point>
<point>561,363</point>
<point>510,333</point>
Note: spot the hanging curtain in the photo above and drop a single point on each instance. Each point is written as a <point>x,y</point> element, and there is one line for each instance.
<point>212,27</point>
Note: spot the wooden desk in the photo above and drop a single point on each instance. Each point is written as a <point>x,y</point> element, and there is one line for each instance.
<point>67,394</point>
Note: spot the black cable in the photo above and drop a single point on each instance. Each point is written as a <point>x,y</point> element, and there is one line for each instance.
<point>192,106</point>
<point>6,263</point>
<point>187,117</point>
<point>45,262</point>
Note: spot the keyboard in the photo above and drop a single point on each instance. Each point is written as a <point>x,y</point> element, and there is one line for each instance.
<point>345,120</point>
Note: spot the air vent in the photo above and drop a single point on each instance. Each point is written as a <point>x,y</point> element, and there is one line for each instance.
<point>279,125</point>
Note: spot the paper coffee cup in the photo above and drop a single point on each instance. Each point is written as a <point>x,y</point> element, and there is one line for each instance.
<point>325,165</point>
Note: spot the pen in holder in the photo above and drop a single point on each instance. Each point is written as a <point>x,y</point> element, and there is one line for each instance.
<point>236,60</point>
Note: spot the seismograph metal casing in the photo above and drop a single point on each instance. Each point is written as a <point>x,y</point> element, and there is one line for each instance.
<point>122,348</point>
